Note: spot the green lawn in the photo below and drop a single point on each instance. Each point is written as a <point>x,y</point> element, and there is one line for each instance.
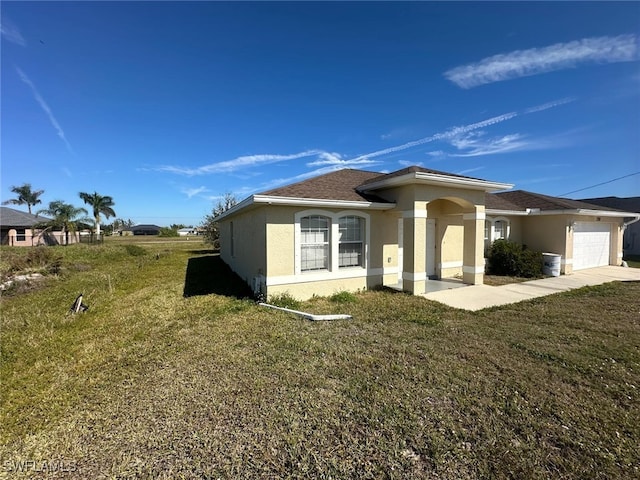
<point>172,374</point>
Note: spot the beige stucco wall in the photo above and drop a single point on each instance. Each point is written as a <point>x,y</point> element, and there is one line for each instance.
<point>249,243</point>
<point>37,237</point>
<point>264,246</point>
<point>553,234</point>
<point>306,290</point>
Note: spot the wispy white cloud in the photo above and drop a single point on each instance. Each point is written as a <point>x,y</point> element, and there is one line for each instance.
<point>238,163</point>
<point>534,61</point>
<point>474,144</point>
<point>531,181</point>
<point>336,159</point>
<point>10,32</point>
<point>191,192</point>
<point>453,132</point>
<point>45,108</point>
<point>548,105</point>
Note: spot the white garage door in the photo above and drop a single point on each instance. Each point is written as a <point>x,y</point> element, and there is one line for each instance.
<point>591,242</point>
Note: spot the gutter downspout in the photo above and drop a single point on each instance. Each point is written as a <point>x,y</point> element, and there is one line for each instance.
<point>624,227</point>
<point>626,224</point>
<point>307,316</point>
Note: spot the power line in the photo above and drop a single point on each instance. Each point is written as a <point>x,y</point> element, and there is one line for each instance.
<point>598,184</point>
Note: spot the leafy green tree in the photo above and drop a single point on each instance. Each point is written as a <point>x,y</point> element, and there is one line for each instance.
<point>168,232</point>
<point>100,205</point>
<point>65,216</point>
<point>25,196</point>
<point>210,226</point>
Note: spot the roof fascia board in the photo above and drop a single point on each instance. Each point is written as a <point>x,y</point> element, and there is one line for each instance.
<point>492,211</point>
<point>585,212</point>
<point>320,202</point>
<point>435,179</point>
<point>302,202</point>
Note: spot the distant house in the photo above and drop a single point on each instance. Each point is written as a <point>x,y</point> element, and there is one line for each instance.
<point>145,229</point>
<point>631,241</point>
<point>185,232</point>
<point>354,229</point>
<point>23,229</point>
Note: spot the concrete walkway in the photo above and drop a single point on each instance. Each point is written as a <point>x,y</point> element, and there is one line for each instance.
<point>477,297</point>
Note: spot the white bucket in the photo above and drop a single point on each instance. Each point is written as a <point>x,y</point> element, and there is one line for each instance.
<point>552,264</point>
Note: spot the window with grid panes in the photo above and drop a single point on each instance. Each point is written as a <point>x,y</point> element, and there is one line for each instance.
<point>314,243</point>
<point>351,244</point>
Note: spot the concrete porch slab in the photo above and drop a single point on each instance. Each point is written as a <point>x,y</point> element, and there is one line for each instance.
<point>477,297</point>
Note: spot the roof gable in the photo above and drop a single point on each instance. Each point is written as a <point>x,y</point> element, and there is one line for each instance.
<point>414,169</point>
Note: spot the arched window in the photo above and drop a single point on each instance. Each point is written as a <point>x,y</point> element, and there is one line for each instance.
<point>351,242</point>
<point>314,243</point>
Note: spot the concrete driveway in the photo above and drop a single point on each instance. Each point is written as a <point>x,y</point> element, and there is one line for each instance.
<point>477,297</point>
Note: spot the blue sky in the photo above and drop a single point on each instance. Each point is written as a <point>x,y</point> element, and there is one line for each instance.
<point>167,106</point>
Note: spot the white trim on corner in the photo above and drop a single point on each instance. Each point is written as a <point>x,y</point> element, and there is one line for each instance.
<point>421,213</point>
<point>468,269</point>
<point>456,264</point>
<point>474,216</point>
<point>390,271</point>
<point>325,275</point>
<point>568,261</point>
<point>414,277</point>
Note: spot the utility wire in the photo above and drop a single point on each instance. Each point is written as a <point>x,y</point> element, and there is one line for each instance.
<point>598,184</point>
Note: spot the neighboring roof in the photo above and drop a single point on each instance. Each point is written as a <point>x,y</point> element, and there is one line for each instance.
<point>521,200</point>
<point>629,204</point>
<point>10,217</point>
<point>144,227</point>
<point>338,185</point>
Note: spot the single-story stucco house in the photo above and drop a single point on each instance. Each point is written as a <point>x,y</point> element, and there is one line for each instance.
<point>23,229</point>
<point>354,229</point>
<point>631,239</point>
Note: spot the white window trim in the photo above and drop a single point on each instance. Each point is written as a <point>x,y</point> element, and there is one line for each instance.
<point>334,235</point>
<point>492,232</point>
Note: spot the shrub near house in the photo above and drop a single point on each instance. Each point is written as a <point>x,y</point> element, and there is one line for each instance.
<point>510,258</point>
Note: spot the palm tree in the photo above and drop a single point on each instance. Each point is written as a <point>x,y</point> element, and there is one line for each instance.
<point>25,196</point>
<point>100,205</point>
<point>65,216</point>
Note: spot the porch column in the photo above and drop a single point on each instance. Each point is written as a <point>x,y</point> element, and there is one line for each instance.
<point>473,256</point>
<point>414,275</point>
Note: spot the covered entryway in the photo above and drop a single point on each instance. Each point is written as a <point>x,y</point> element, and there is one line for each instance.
<point>591,244</point>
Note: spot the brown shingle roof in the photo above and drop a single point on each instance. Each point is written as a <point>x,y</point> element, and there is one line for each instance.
<point>338,185</point>
<point>523,200</point>
<point>495,201</point>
